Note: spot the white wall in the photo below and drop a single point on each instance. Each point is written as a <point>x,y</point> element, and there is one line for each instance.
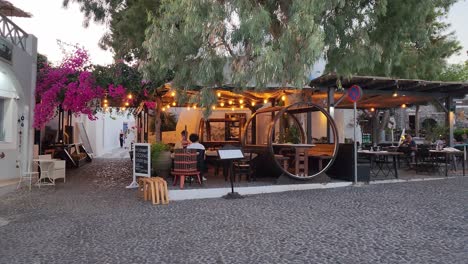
<point>20,77</point>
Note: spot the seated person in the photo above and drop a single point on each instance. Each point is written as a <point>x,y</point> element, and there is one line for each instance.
<point>183,143</point>
<point>409,147</point>
<point>465,138</point>
<point>195,144</point>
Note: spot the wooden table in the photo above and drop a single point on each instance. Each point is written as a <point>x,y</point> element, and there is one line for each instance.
<point>380,166</point>
<point>448,154</point>
<point>301,156</point>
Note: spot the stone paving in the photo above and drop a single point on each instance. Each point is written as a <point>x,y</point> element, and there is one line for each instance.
<point>93,219</point>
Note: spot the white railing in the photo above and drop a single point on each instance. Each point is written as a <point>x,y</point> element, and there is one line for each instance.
<point>11,32</point>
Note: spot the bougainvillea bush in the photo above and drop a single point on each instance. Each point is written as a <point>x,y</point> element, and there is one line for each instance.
<point>78,86</point>
<point>70,85</point>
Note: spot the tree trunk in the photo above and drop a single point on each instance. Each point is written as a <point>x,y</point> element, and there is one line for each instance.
<point>379,126</point>
<point>416,121</point>
<point>157,121</point>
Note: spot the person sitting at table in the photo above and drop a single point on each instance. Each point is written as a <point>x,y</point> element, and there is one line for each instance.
<point>195,144</point>
<point>410,147</point>
<point>183,143</point>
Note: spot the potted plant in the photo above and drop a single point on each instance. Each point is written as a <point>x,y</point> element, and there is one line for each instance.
<point>160,160</point>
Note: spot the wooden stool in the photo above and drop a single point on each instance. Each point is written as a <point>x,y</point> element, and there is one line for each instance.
<point>161,192</point>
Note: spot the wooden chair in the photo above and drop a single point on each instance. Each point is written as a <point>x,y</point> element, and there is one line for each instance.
<point>185,164</point>
<point>243,167</point>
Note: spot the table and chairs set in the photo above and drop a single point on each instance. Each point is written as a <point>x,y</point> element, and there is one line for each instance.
<point>44,170</point>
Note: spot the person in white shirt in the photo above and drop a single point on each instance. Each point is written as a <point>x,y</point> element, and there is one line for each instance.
<point>196,145</point>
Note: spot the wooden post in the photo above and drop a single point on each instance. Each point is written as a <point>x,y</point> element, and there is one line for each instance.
<point>157,121</point>
<point>416,121</point>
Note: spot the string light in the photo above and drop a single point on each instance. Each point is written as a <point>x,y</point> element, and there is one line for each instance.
<point>123,108</point>
<point>163,109</point>
<point>105,100</point>
<point>242,106</point>
<point>173,104</point>
<point>241,101</point>
<point>173,94</point>
<point>232,108</point>
<point>283,98</point>
<point>126,103</point>
<point>395,94</point>
<point>219,94</point>
<point>403,106</point>
<point>213,107</point>
<point>130,96</point>
<point>105,105</point>
<point>168,106</point>
<point>253,103</point>
<point>188,108</point>
<point>194,106</point>
<point>221,104</point>
<point>230,102</point>
<point>265,101</point>
<point>372,109</point>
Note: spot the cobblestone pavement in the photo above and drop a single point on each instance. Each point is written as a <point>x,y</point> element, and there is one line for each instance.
<point>93,219</point>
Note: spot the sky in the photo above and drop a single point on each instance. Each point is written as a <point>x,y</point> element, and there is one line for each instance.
<point>51,22</point>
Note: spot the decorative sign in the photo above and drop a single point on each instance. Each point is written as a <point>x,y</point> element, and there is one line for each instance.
<point>141,162</point>
<point>229,154</point>
<point>354,93</point>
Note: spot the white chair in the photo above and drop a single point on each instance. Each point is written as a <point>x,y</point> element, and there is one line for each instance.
<point>59,167</point>
<point>27,176</point>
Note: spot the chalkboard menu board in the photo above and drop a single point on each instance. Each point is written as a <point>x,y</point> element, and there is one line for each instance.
<point>141,159</point>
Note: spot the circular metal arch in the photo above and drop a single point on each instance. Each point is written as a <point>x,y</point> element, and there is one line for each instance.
<point>335,137</point>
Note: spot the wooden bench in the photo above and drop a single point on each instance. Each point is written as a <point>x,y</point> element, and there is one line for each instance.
<point>321,152</point>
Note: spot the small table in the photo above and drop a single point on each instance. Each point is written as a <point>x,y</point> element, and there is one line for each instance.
<point>448,154</point>
<point>45,163</point>
<point>382,166</point>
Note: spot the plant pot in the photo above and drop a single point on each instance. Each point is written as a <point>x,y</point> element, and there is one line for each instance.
<point>162,164</point>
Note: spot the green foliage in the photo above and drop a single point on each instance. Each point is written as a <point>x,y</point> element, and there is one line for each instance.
<point>127,21</point>
<point>292,135</point>
<point>457,133</point>
<point>435,132</point>
<point>156,149</point>
<point>247,43</point>
<point>455,73</point>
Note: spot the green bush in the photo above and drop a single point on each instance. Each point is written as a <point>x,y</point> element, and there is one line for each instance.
<point>157,148</point>
<point>457,133</point>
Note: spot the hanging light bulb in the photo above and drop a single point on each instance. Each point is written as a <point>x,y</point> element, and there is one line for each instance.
<point>105,100</point>
<point>213,107</point>
<point>168,106</point>
<point>219,94</point>
<point>230,102</point>
<point>172,93</point>
<point>253,103</point>
<point>130,96</point>
<point>173,104</point>
<point>265,101</point>
<point>241,101</point>
<point>232,109</point>
<point>222,104</point>
<point>242,106</point>
<point>283,98</point>
<point>163,109</point>
<point>194,106</point>
<point>395,94</point>
<point>403,106</point>
<point>372,109</point>
<point>123,108</point>
<point>105,104</point>
<point>126,103</point>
